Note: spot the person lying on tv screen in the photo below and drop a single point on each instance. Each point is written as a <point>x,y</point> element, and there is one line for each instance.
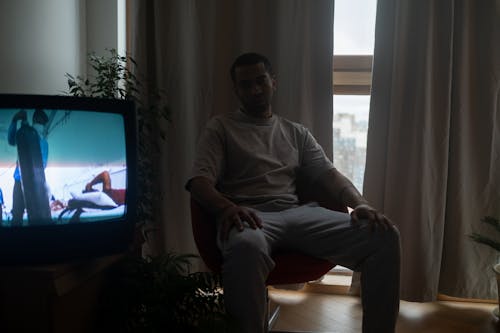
<point>117,195</point>
<point>56,204</point>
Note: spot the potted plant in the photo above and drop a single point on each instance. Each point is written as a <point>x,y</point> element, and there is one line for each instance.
<point>151,293</point>
<point>493,243</point>
<point>159,294</point>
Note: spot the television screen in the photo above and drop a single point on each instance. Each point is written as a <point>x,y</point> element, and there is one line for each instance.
<point>67,177</point>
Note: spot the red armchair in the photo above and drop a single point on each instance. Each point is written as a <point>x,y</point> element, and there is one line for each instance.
<point>290,267</point>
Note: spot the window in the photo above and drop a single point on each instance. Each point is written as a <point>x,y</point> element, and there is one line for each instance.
<point>354,37</point>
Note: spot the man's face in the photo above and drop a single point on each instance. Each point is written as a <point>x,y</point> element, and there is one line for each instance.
<point>254,86</point>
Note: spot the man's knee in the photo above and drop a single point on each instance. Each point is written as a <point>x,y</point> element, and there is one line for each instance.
<point>246,257</point>
<point>392,241</point>
<point>245,244</point>
<point>394,235</point>
<point>385,238</point>
<point>247,248</point>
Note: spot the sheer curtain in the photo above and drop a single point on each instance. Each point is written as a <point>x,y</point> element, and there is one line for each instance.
<point>433,150</point>
<point>187,46</point>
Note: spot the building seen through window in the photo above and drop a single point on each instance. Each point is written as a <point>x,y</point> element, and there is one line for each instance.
<point>350,127</point>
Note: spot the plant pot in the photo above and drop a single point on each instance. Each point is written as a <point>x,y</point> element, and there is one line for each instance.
<point>496,268</point>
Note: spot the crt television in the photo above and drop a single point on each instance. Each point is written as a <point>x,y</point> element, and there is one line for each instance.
<point>68,173</point>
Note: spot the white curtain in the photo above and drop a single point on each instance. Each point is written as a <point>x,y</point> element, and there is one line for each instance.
<point>433,160</point>
<point>187,47</point>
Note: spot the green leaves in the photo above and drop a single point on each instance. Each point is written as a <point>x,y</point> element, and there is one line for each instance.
<point>77,86</point>
<point>485,240</point>
<point>113,78</point>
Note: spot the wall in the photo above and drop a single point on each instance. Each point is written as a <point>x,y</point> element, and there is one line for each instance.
<point>41,40</point>
<point>102,25</point>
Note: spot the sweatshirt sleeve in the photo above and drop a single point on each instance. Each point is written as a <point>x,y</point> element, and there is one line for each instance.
<point>314,161</point>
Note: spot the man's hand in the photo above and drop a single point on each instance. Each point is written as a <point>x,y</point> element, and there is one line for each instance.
<point>235,216</point>
<point>21,115</point>
<point>365,211</point>
<point>88,188</point>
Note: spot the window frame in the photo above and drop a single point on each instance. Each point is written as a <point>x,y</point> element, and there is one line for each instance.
<point>352,74</point>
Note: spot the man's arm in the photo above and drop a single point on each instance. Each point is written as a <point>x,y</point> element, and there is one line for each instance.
<point>11,134</point>
<point>338,186</point>
<point>203,191</point>
<point>228,213</point>
<point>103,178</point>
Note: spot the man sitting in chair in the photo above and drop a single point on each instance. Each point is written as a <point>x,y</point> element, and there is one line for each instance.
<point>245,173</point>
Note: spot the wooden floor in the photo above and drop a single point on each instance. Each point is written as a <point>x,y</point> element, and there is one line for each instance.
<point>319,312</point>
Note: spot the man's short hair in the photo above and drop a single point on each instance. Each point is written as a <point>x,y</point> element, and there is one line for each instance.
<point>250,58</point>
<point>39,117</point>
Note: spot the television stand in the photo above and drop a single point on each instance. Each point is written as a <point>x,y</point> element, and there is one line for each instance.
<point>53,298</point>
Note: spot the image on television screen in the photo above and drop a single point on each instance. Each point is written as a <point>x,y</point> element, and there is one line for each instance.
<point>61,166</point>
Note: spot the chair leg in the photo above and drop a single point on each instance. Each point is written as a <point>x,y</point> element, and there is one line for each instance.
<point>272,314</point>
<point>272,317</point>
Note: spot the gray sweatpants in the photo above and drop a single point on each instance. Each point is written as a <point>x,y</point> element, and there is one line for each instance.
<point>318,232</point>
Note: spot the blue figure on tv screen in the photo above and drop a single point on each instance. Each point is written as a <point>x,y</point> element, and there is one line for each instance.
<point>2,203</point>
